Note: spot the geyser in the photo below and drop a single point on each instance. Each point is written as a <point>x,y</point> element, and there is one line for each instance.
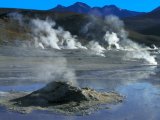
<point>45,35</point>
<point>64,98</point>
<point>96,48</point>
<point>119,39</point>
<point>112,40</point>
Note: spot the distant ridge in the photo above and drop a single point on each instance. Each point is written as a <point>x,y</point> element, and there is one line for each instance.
<point>156,9</point>
<point>83,8</point>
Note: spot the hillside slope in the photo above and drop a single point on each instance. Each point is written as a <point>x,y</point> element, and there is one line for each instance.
<point>148,23</point>
<point>83,8</point>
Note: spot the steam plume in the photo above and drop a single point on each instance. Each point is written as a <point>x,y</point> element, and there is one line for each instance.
<point>45,34</point>
<point>119,38</point>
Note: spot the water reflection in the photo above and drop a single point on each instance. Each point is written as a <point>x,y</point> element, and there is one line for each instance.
<point>139,83</point>
<point>111,79</point>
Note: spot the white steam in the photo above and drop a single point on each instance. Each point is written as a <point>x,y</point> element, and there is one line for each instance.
<point>68,41</point>
<point>55,69</point>
<point>45,34</point>
<point>120,41</point>
<point>112,40</point>
<point>117,38</point>
<point>145,55</point>
<point>96,48</point>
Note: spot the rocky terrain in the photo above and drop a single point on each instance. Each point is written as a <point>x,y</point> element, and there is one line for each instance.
<point>61,97</point>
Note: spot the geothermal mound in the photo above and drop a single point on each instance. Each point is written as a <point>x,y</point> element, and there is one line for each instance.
<point>65,98</point>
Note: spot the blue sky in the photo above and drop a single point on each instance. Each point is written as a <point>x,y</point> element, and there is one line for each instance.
<point>136,5</point>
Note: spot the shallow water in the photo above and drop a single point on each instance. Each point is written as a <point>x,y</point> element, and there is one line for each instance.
<point>137,81</point>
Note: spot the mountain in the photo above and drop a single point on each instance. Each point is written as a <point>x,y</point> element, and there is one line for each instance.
<point>148,23</point>
<point>77,8</point>
<point>157,9</point>
<point>83,8</point>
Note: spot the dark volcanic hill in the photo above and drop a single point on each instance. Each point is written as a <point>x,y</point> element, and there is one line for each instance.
<point>97,11</point>
<point>148,23</point>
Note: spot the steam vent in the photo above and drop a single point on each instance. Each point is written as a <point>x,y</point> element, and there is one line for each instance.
<point>65,98</point>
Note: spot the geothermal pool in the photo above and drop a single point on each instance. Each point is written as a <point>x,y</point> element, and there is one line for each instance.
<point>28,69</point>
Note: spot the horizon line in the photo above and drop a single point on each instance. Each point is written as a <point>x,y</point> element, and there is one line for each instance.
<point>71,5</point>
